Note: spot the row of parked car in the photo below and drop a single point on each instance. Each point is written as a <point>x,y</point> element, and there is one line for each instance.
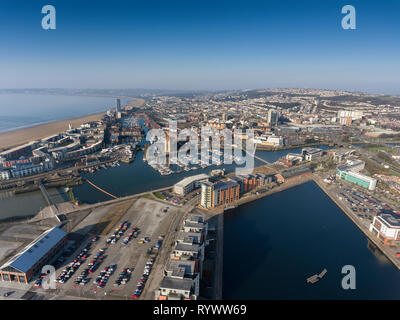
<point>119,231</point>
<point>104,275</point>
<point>72,267</point>
<point>124,276</point>
<point>143,279</point>
<point>132,234</point>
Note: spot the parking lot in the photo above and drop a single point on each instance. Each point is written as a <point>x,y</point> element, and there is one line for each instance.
<point>118,259</point>
<point>363,203</point>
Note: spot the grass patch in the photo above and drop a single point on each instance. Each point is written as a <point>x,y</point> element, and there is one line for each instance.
<point>147,196</point>
<point>376,148</point>
<point>71,195</point>
<point>159,195</point>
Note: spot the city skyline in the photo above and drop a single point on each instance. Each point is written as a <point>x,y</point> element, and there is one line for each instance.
<point>203,46</point>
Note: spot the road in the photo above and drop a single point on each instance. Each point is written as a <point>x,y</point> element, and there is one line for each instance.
<point>158,268</point>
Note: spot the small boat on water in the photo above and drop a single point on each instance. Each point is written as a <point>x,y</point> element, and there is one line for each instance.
<point>313,279</point>
<point>316,277</point>
<point>322,273</point>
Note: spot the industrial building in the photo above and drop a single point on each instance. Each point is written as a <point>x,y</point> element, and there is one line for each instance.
<point>291,174</point>
<point>28,262</point>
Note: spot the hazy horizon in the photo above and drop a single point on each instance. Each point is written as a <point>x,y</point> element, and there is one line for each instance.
<point>207,45</point>
<point>178,90</point>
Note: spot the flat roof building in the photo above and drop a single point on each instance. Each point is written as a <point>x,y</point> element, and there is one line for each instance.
<point>176,289</point>
<point>195,237</point>
<point>188,184</point>
<point>357,178</point>
<point>311,154</point>
<point>386,227</point>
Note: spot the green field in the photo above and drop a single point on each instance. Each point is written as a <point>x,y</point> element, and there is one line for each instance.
<point>159,195</point>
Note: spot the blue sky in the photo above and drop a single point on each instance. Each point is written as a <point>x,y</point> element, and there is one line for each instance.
<point>200,45</point>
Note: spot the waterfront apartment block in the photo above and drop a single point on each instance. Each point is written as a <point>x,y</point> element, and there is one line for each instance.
<point>195,237</point>
<point>344,172</point>
<point>386,227</point>
<point>184,269</point>
<point>207,194</point>
<point>195,223</point>
<point>188,184</point>
<point>173,288</point>
<point>225,192</point>
<point>16,152</point>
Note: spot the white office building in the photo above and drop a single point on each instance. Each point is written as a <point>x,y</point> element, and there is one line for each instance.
<point>188,184</point>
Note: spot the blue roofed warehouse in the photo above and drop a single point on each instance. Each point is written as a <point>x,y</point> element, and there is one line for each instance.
<point>30,260</point>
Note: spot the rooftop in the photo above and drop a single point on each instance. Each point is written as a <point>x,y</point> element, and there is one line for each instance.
<point>176,284</point>
<point>36,250</point>
<point>225,185</point>
<point>187,247</point>
<point>295,172</point>
<point>189,266</point>
<point>390,219</point>
<point>188,180</point>
<point>196,236</point>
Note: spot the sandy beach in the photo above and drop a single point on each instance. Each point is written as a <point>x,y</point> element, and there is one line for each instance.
<point>20,136</point>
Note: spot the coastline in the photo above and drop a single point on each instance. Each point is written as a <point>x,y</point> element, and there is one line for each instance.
<point>17,137</point>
